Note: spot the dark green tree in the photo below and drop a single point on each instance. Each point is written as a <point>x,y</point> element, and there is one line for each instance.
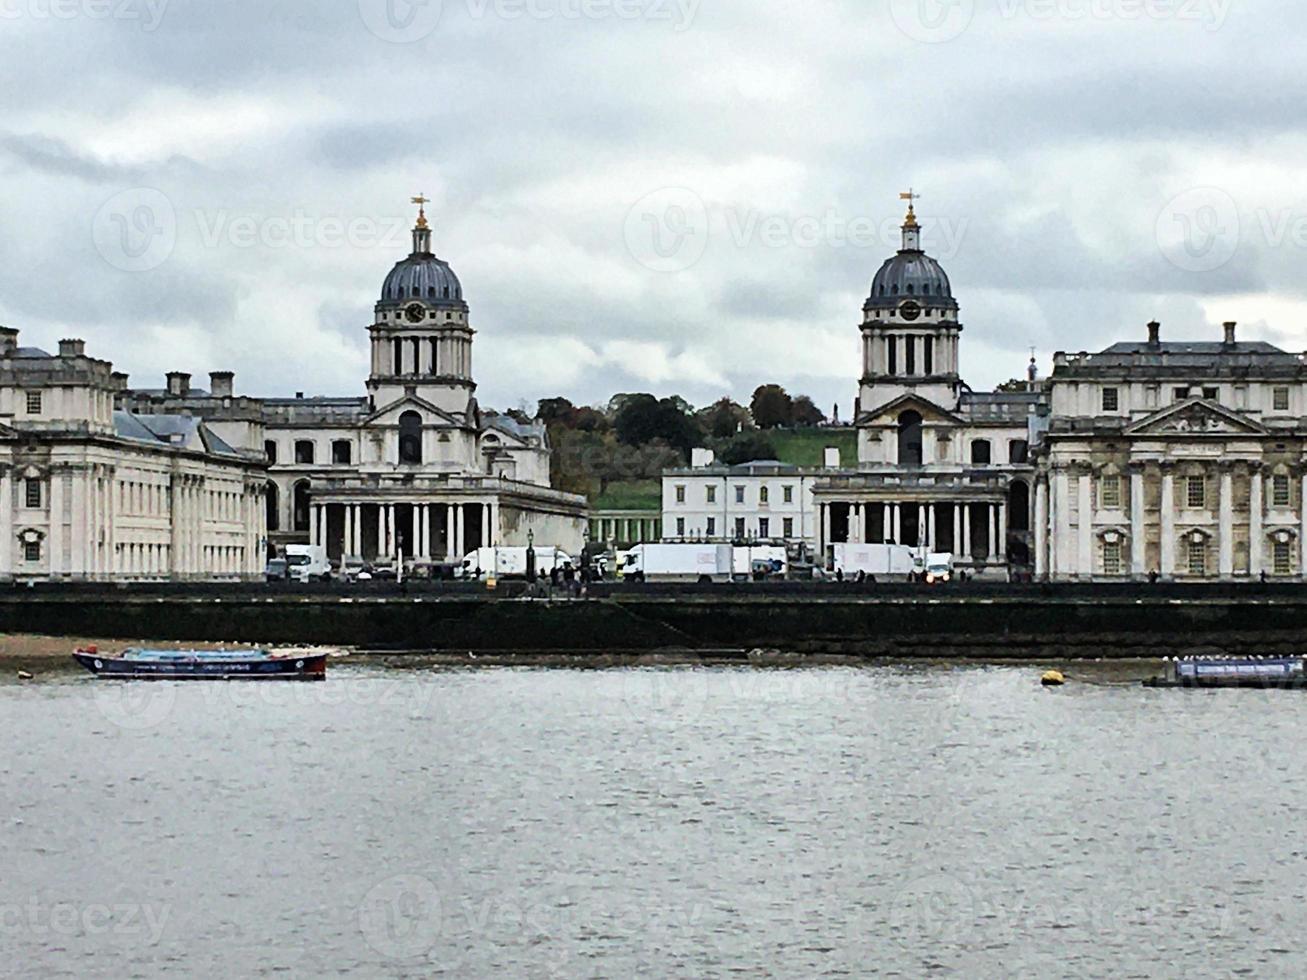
<point>771,407</point>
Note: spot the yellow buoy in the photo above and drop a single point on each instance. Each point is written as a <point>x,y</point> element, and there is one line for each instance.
<point>1052,678</point>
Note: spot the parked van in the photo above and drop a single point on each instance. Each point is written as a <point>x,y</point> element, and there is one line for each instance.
<point>307,563</point>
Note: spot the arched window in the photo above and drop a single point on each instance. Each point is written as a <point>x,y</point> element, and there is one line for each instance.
<point>410,438</point>
<point>910,439</point>
<point>980,452</point>
<point>272,500</point>
<point>340,452</point>
<point>304,451</point>
<point>300,512</point>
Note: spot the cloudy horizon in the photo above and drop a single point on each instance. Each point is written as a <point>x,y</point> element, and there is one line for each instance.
<point>678,196</point>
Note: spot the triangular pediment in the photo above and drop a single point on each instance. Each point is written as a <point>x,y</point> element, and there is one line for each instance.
<point>1195,417</point>
<point>431,415</point>
<point>888,414</point>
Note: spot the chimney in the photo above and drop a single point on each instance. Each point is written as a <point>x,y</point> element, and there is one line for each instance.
<point>831,458</point>
<point>701,457</point>
<point>220,383</point>
<point>179,383</point>
<point>1154,333</point>
<point>119,379</point>
<point>8,340</point>
<point>1229,331</point>
<point>72,348</point>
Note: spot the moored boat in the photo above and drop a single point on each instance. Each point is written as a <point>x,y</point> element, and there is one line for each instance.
<point>218,665</point>
<point>1271,672</point>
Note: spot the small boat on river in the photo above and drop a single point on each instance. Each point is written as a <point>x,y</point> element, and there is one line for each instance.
<point>1270,672</point>
<point>212,665</point>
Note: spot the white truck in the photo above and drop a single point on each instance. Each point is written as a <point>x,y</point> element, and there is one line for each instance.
<point>760,561</point>
<point>679,563</point>
<point>506,563</point>
<point>939,567</point>
<point>889,560</point>
<point>307,563</point>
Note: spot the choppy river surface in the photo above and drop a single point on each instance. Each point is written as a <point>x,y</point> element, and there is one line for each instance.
<point>654,822</point>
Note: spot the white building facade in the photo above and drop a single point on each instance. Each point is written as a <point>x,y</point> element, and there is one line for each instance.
<point>1179,460</point>
<point>91,493</point>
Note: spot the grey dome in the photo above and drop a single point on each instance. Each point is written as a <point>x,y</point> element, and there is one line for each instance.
<point>911,274</point>
<point>423,277</point>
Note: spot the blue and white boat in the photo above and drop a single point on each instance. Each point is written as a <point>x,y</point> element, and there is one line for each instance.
<point>1285,672</point>
<point>217,665</point>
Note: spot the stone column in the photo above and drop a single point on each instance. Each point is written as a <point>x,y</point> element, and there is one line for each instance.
<point>966,531</point>
<point>1000,515</point>
<point>1085,548</point>
<point>424,531</point>
<point>887,522</point>
<point>6,522</point>
<point>415,535</point>
<point>1225,524</point>
<point>898,523</point>
<point>1061,533</point>
<point>451,544</point>
<point>347,538</point>
<point>459,549</point>
<point>1168,520</point>
<point>358,530</point>
<point>56,541</point>
<point>485,526</point>
<point>392,532</point>
<point>1041,527</point>
<point>80,525</point>
<point>1255,543</point>
<point>1302,530</point>
<point>1138,526</point>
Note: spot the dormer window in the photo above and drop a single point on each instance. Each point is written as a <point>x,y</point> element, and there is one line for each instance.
<point>431,292</point>
<point>446,292</point>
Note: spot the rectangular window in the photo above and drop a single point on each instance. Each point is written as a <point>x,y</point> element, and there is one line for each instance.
<point>33,403</point>
<point>304,451</point>
<point>1196,489</point>
<point>910,355</point>
<point>787,493</point>
<point>763,495</point>
<point>31,551</point>
<point>739,495</point>
<point>270,450</point>
<point>1280,490</point>
<point>1111,557</point>
<point>33,491</point>
<point>1181,393</point>
<point>1197,557</point>
<point>712,526</point>
<point>892,350</point>
<point>1283,558</point>
<point>1212,394</point>
<point>789,527</point>
<point>764,527</point>
<point>341,452</point>
<point>1109,492</point>
<point>1281,399</point>
<point>1018,451</point>
<point>739,527</point>
<point>928,355</point>
<point>680,494</point>
<point>710,494</point>
<point>680,527</point>
<point>1111,400</point>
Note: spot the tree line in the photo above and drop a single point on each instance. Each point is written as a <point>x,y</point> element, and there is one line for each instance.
<point>637,435</point>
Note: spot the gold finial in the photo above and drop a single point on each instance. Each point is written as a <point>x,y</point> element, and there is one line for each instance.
<point>421,201</point>
<point>910,196</point>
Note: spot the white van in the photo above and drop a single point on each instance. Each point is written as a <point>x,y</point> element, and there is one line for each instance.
<point>307,563</point>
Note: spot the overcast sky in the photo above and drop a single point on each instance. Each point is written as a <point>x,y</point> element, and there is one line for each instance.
<point>683,196</point>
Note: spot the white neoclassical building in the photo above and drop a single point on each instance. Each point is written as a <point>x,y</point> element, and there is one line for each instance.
<point>1181,459</point>
<point>413,468</point>
<point>90,492</point>
<point>939,466</point>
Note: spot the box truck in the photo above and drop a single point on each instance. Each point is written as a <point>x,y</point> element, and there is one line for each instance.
<point>679,563</point>
<point>506,563</point>
<point>761,561</point>
<point>307,563</point>
<point>889,560</point>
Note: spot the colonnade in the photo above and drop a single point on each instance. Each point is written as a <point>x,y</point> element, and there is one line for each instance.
<point>929,532</point>
<point>450,521</point>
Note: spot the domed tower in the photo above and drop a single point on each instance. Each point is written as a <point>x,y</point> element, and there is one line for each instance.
<point>910,327</point>
<point>421,341</point>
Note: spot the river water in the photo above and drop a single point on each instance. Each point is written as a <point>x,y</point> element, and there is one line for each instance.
<point>661,822</point>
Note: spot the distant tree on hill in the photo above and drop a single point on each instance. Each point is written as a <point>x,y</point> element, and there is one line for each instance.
<point>642,418</point>
<point>805,412</point>
<point>724,418</point>
<point>556,411</point>
<point>771,407</point>
<point>747,447</point>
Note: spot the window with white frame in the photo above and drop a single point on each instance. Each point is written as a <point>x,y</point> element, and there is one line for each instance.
<point>789,527</point>
<point>739,495</point>
<point>1111,399</point>
<point>787,494</point>
<point>1283,558</point>
<point>711,526</point>
<point>32,493</point>
<point>33,403</point>
<point>680,494</point>
<point>710,494</point>
<point>1109,492</point>
<point>31,551</point>
<point>1196,491</point>
<point>739,527</point>
<point>1197,556</point>
<point>1280,490</point>
<point>763,494</point>
<point>1111,557</point>
<point>680,527</point>
<point>1280,399</point>
<point>764,527</point>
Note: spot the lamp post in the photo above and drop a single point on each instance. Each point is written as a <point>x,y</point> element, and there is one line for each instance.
<point>530,555</point>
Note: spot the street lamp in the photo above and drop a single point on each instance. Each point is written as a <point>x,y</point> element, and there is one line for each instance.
<point>530,555</point>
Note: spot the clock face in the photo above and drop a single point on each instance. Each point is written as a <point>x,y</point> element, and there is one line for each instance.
<point>415,312</point>
<point>909,310</point>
